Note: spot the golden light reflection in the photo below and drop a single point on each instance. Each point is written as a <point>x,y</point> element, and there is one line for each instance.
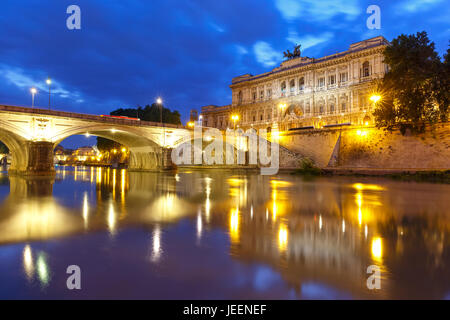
<point>371,187</point>
<point>238,190</point>
<point>42,269</point>
<point>99,175</point>
<point>199,224</point>
<point>111,219</point>
<point>234,225</point>
<point>28,264</point>
<point>377,249</point>
<point>320,222</point>
<point>282,237</point>
<point>85,209</point>
<point>156,244</point>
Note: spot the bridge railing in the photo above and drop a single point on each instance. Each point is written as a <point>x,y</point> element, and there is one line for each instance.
<point>65,114</point>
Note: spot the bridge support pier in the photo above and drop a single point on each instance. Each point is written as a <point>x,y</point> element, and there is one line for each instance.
<point>149,159</point>
<point>36,159</point>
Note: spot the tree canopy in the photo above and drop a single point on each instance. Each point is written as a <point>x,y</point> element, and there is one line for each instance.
<point>148,113</point>
<point>415,90</point>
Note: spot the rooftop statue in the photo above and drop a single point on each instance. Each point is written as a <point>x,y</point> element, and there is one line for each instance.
<point>295,54</point>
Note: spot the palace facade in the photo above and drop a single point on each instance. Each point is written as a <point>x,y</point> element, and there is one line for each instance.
<point>304,92</point>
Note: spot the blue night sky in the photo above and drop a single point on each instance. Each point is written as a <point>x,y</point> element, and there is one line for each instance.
<point>186,51</point>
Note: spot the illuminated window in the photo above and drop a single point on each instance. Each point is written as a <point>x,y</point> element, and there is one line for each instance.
<point>366,69</point>
<point>301,83</point>
<point>321,82</point>
<point>332,79</point>
<point>283,88</point>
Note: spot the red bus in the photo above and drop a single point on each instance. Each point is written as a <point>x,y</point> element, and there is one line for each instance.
<point>120,117</point>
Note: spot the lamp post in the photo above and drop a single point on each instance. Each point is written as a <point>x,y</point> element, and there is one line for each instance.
<point>159,102</point>
<point>33,92</point>
<point>49,82</point>
<point>374,98</point>
<point>235,118</point>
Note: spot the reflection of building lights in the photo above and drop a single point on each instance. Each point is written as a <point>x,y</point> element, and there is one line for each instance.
<point>123,181</point>
<point>199,225</point>
<point>85,209</point>
<point>156,244</point>
<point>343,226</point>
<point>282,237</point>
<point>320,223</point>
<point>207,208</point>
<point>377,248</point>
<point>42,269</point>
<point>111,219</point>
<point>234,225</point>
<point>28,261</point>
<point>365,231</point>
<point>251,212</point>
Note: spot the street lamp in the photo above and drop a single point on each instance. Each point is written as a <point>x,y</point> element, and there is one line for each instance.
<point>49,82</point>
<point>375,98</point>
<point>159,101</point>
<point>235,118</point>
<point>33,92</point>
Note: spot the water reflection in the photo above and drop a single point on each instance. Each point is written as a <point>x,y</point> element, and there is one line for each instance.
<point>320,233</point>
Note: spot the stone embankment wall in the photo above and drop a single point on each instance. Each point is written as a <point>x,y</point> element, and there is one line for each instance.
<point>369,147</point>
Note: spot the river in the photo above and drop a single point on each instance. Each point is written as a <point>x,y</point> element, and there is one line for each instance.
<point>222,235</point>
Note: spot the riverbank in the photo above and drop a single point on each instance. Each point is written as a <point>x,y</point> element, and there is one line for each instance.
<point>425,175</point>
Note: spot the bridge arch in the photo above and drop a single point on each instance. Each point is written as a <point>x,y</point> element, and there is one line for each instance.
<point>145,152</point>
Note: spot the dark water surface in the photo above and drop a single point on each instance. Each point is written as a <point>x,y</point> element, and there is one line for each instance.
<point>222,235</point>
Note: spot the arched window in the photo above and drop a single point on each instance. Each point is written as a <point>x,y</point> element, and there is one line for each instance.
<point>366,69</point>
<point>332,108</point>
<point>301,83</point>
<point>283,88</point>
<point>292,86</point>
<point>240,97</point>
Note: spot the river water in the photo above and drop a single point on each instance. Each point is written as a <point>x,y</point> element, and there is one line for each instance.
<point>222,235</point>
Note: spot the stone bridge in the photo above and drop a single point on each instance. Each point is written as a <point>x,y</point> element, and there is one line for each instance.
<point>32,134</point>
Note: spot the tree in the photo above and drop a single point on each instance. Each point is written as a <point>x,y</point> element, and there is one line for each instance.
<point>3,148</point>
<point>105,145</point>
<point>148,113</point>
<point>413,90</point>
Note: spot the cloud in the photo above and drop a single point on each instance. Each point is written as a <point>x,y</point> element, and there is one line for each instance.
<point>315,10</point>
<point>20,79</point>
<point>216,27</point>
<point>416,5</point>
<point>309,41</point>
<point>265,54</point>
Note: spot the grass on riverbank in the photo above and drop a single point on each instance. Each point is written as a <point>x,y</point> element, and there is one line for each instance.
<point>308,168</point>
<point>423,176</point>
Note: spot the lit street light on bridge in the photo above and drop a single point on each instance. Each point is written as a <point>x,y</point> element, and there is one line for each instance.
<point>33,92</point>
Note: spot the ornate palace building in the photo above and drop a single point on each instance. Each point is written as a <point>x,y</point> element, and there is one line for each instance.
<point>305,92</point>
